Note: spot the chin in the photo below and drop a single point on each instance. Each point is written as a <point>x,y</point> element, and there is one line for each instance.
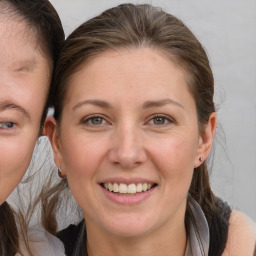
<point>129,227</point>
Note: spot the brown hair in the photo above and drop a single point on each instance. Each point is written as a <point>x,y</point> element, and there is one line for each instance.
<point>42,18</point>
<point>138,26</point>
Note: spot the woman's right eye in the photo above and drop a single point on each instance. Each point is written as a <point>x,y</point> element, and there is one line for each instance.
<point>6,125</point>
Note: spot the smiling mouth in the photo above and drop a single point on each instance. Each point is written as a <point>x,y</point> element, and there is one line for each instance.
<point>128,189</point>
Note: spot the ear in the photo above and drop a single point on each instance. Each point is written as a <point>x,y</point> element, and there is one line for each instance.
<point>51,130</point>
<point>206,140</point>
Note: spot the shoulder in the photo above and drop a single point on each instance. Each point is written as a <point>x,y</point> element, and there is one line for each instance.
<point>69,236</point>
<point>241,235</point>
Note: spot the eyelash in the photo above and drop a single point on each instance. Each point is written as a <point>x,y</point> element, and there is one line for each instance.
<point>87,119</point>
<point>165,117</point>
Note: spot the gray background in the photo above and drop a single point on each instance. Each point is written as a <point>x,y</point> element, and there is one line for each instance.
<point>227,29</point>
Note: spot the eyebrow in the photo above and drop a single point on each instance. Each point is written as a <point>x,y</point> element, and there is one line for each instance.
<point>147,104</point>
<point>160,103</point>
<point>99,103</point>
<point>10,105</point>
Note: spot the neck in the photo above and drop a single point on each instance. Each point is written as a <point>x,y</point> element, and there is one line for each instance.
<point>170,241</point>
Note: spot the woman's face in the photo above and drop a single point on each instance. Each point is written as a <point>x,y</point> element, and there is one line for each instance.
<point>129,124</point>
<point>24,79</point>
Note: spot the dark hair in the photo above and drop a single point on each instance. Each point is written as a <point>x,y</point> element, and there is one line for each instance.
<point>138,26</point>
<point>42,18</point>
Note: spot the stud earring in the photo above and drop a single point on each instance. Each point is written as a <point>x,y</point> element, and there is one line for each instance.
<point>61,175</point>
<point>201,159</point>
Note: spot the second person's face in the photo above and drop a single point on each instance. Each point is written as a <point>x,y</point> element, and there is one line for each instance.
<point>24,81</point>
<point>128,142</point>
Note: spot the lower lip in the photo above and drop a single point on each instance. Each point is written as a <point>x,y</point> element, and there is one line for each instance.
<point>126,199</point>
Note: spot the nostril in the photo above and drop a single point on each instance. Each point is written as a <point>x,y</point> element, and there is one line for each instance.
<point>127,150</point>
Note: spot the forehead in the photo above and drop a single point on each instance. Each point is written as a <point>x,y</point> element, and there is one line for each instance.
<point>137,60</point>
<point>15,31</point>
<point>21,59</point>
<point>20,44</point>
<point>141,71</point>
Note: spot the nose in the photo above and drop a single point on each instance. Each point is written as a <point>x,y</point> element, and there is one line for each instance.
<point>127,148</point>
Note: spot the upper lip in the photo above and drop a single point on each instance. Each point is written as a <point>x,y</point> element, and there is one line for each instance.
<point>127,181</point>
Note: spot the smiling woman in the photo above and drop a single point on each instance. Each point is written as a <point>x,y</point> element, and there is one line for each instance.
<point>31,35</point>
<point>134,123</point>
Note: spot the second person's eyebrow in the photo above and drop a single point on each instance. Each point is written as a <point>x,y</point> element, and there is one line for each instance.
<point>9,105</point>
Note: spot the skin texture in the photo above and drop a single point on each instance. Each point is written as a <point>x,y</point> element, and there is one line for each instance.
<point>242,235</point>
<point>24,80</point>
<point>128,142</point>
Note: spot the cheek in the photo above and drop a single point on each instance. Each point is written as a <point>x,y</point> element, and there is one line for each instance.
<point>17,152</point>
<point>80,155</point>
<point>14,162</point>
<point>81,161</point>
<point>175,160</point>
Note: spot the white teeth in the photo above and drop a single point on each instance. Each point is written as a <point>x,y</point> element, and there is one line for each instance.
<point>110,187</point>
<point>139,187</point>
<point>145,187</point>
<point>115,188</point>
<point>127,189</point>
<point>132,189</point>
<point>123,188</point>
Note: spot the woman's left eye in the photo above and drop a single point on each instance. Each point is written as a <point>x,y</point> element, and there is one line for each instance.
<point>7,125</point>
<point>94,121</point>
<point>160,120</point>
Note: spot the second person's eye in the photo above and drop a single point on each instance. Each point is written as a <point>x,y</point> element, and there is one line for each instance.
<point>6,125</point>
